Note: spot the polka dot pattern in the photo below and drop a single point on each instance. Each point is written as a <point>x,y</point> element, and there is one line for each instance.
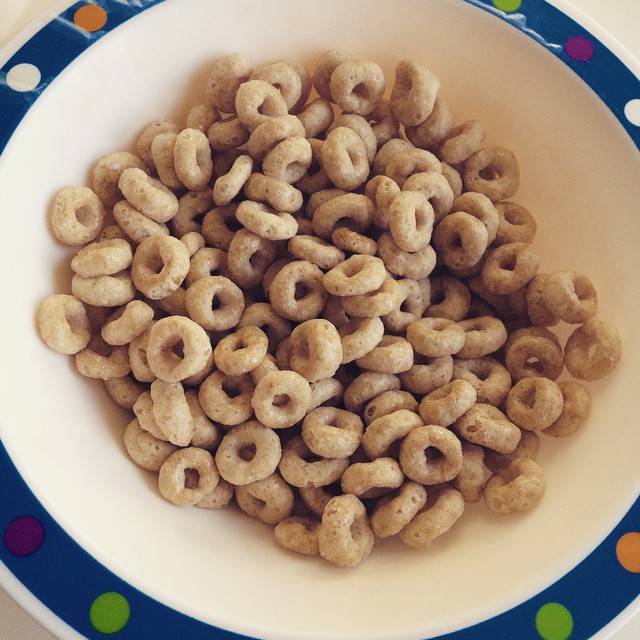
<point>116,607</point>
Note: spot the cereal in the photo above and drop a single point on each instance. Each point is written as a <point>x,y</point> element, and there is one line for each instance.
<point>327,308</point>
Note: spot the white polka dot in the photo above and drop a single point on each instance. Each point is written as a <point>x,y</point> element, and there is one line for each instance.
<point>632,111</point>
<point>23,77</point>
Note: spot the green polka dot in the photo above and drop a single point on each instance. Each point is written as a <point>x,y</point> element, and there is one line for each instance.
<point>554,622</point>
<point>109,613</point>
<point>507,5</point>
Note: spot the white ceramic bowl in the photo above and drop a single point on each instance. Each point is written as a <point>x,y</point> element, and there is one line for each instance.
<point>90,522</point>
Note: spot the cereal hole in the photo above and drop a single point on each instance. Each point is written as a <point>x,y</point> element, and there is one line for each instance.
<point>191,478</point>
<point>248,452</point>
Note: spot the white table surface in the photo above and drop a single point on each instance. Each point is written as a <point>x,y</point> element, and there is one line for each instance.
<point>620,18</point>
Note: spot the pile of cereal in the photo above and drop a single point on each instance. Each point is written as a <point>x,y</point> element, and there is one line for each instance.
<point>318,300</point>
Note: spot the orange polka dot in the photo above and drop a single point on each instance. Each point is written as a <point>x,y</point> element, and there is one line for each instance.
<point>91,17</point>
<point>628,551</point>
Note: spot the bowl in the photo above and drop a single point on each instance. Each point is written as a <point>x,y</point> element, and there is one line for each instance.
<point>85,529</point>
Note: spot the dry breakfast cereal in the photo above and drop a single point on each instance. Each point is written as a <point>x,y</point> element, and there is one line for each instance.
<point>319,302</point>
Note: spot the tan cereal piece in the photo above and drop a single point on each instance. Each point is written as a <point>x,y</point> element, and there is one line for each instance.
<point>509,267</point>
<point>359,336</point>
<point>393,354</point>
<point>386,429</point>
<point>315,250</point>
<point>266,222</point>
<point>483,335</point>
<point>124,391</point>
<point>445,405</point>
<point>201,116</point>
<point>64,324</point>
<point>146,138</point>
<point>316,349</point>
<point>248,452</point>
<point>289,160</point>
<point>413,300</point>
<point>324,68</point>
<point>177,348</point>
<point>488,426</point>
<point>257,101</point>
<point>517,224</point>
<point>518,487</point>
<point>367,386</point>
<point>102,258</point>
<point>394,511</point>
<point>227,399</point>
<point>281,399</point>
<point>331,432</point>
<point>427,374</point>
<point>490,379</point>
<point>77,215</point>
<point>372,479</point>
<point>228,298</point>
<point>387,403</point>
<point>429,133</point>
<point>104,291</point>
<point>135,224</point>
<point>300,467</point>
<point>192,159</point>
<point>162,154</point>
<point>127,323</point>
<point>225,77</point>
<point>408,264</point>
<point>461,141</point>
<point>148,195</point>
<point>269,500</point>
<point>502,167</point>
<point>461,240</point>
<point>534,403</point>
<point>414,92</point>
<point>344,158</point>
<point>528,447</point>
<point>144,449</point>
<point>435,337</point>
<point>570,296</point>
<point>299,534</point>
<point>285,77</point>
<point>435,520</point>
<point>248,258</point>
<point>576,408</point>
<point>241,351</point>
<point>470,481</point>
<point>219,498</point>
<point>284,291</point>
<point>227,134</point>
<point>345,536</point>
<point>593,350</point>
<point>327,390</point>
<point>187,476</point>
<point>275,192</point>
<point>435,188</point>
<point>357,86</point>
<point>101,361</point>
<point>534,352</point>
<point>106,173</point>
<point>171,412</point>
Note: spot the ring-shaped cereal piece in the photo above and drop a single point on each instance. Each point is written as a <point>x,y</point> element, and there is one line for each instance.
<point>64,324</point>
<point>509,267</point>
<point>354,242</point>
<point>297,292</point>
<point>382,191</point>
<point>436,520</point>
<point>537,311</point>
<point>362,127</point>
<point>445,405</point>
<point>248,452</point>
<point>201,116</point>
<point>331,432</point>
<point>299,534</point>
<point>372,479</point>
<point>194,241</point>
<point>367,386</point>
<point>489,378</point>
<point>382,432</point>
<point>324,68</point>
<point>387,403</point>
<point>436,189</point>
<point>435,337</point>
<point>414,92</point>
<point>102,258</point>
<point>269,500</point>
<point>227,399</point>
<point>148,195</point>
<point>135,224</point>
<point>226,75</point>
<point>315,349</point>
<point>316,250</point>
<point>226,187</point>
<point>534,403</point>
<point>281,399</point>
<point>144,449</point>
<point>357,275</point>
<point>219,292</point>
<point>171,412</point>
<point>427,374</point>
<point>257,101</point>
<point>411,305</point>
<point>101,361</point>
<point>481,207</point>
<point>411,219</point>
<point>249,257</point>
<point>272,131</point>
<point>518,487</point>
<point>219,226</point>
<point>227,134</point>
<point>316,117</point>
<point>187,476</point>
<point>127,323</point>
<point>359,336</point>
<point>266,222</point>
<point>410,161</point>
<point>576,408</point>
<point>470,481</point>
<point>124,391</point>
<point>408,264</point>
<point>241,351</point>
<point>379,302</point>
<point>159,266</point>
<point>284,77</point>
<point>106,173</point>
<point>300,467</point>
<point>517,224</point>
<point>162,154</point>
<point>393,354</point>
<point>536,352</point>
<point>486,425</point>
<point>104,291</point>
<point>289,160</point>
<point>344,158</point>
<point>77,215</point>
<point>461,141</point>
<point>148,135</point>
<point>326,391</point>
<point>262,314</point>
<point>383,122</point>
<point>357,86</point>
<point>277,193</point>
<point>593,350</point>
<point>207,261</point>
<point>493,171</point>
<point>354,209</point>
<point>177,348</point>
<point>418,462</point>
<point>345,536</point>
<point>483,335</point>
<point>570,296</point>
<point>429,133</point>
<point>395,511</point>
<point>450,298</point>
<point>219,498</point>
<point>528,447</point>
<point>461,240</point>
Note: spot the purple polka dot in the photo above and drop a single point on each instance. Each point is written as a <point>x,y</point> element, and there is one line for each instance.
<point>579,48</point>
<point>24,536</point>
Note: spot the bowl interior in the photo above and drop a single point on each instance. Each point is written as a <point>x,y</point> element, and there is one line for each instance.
<point>579,178</point>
